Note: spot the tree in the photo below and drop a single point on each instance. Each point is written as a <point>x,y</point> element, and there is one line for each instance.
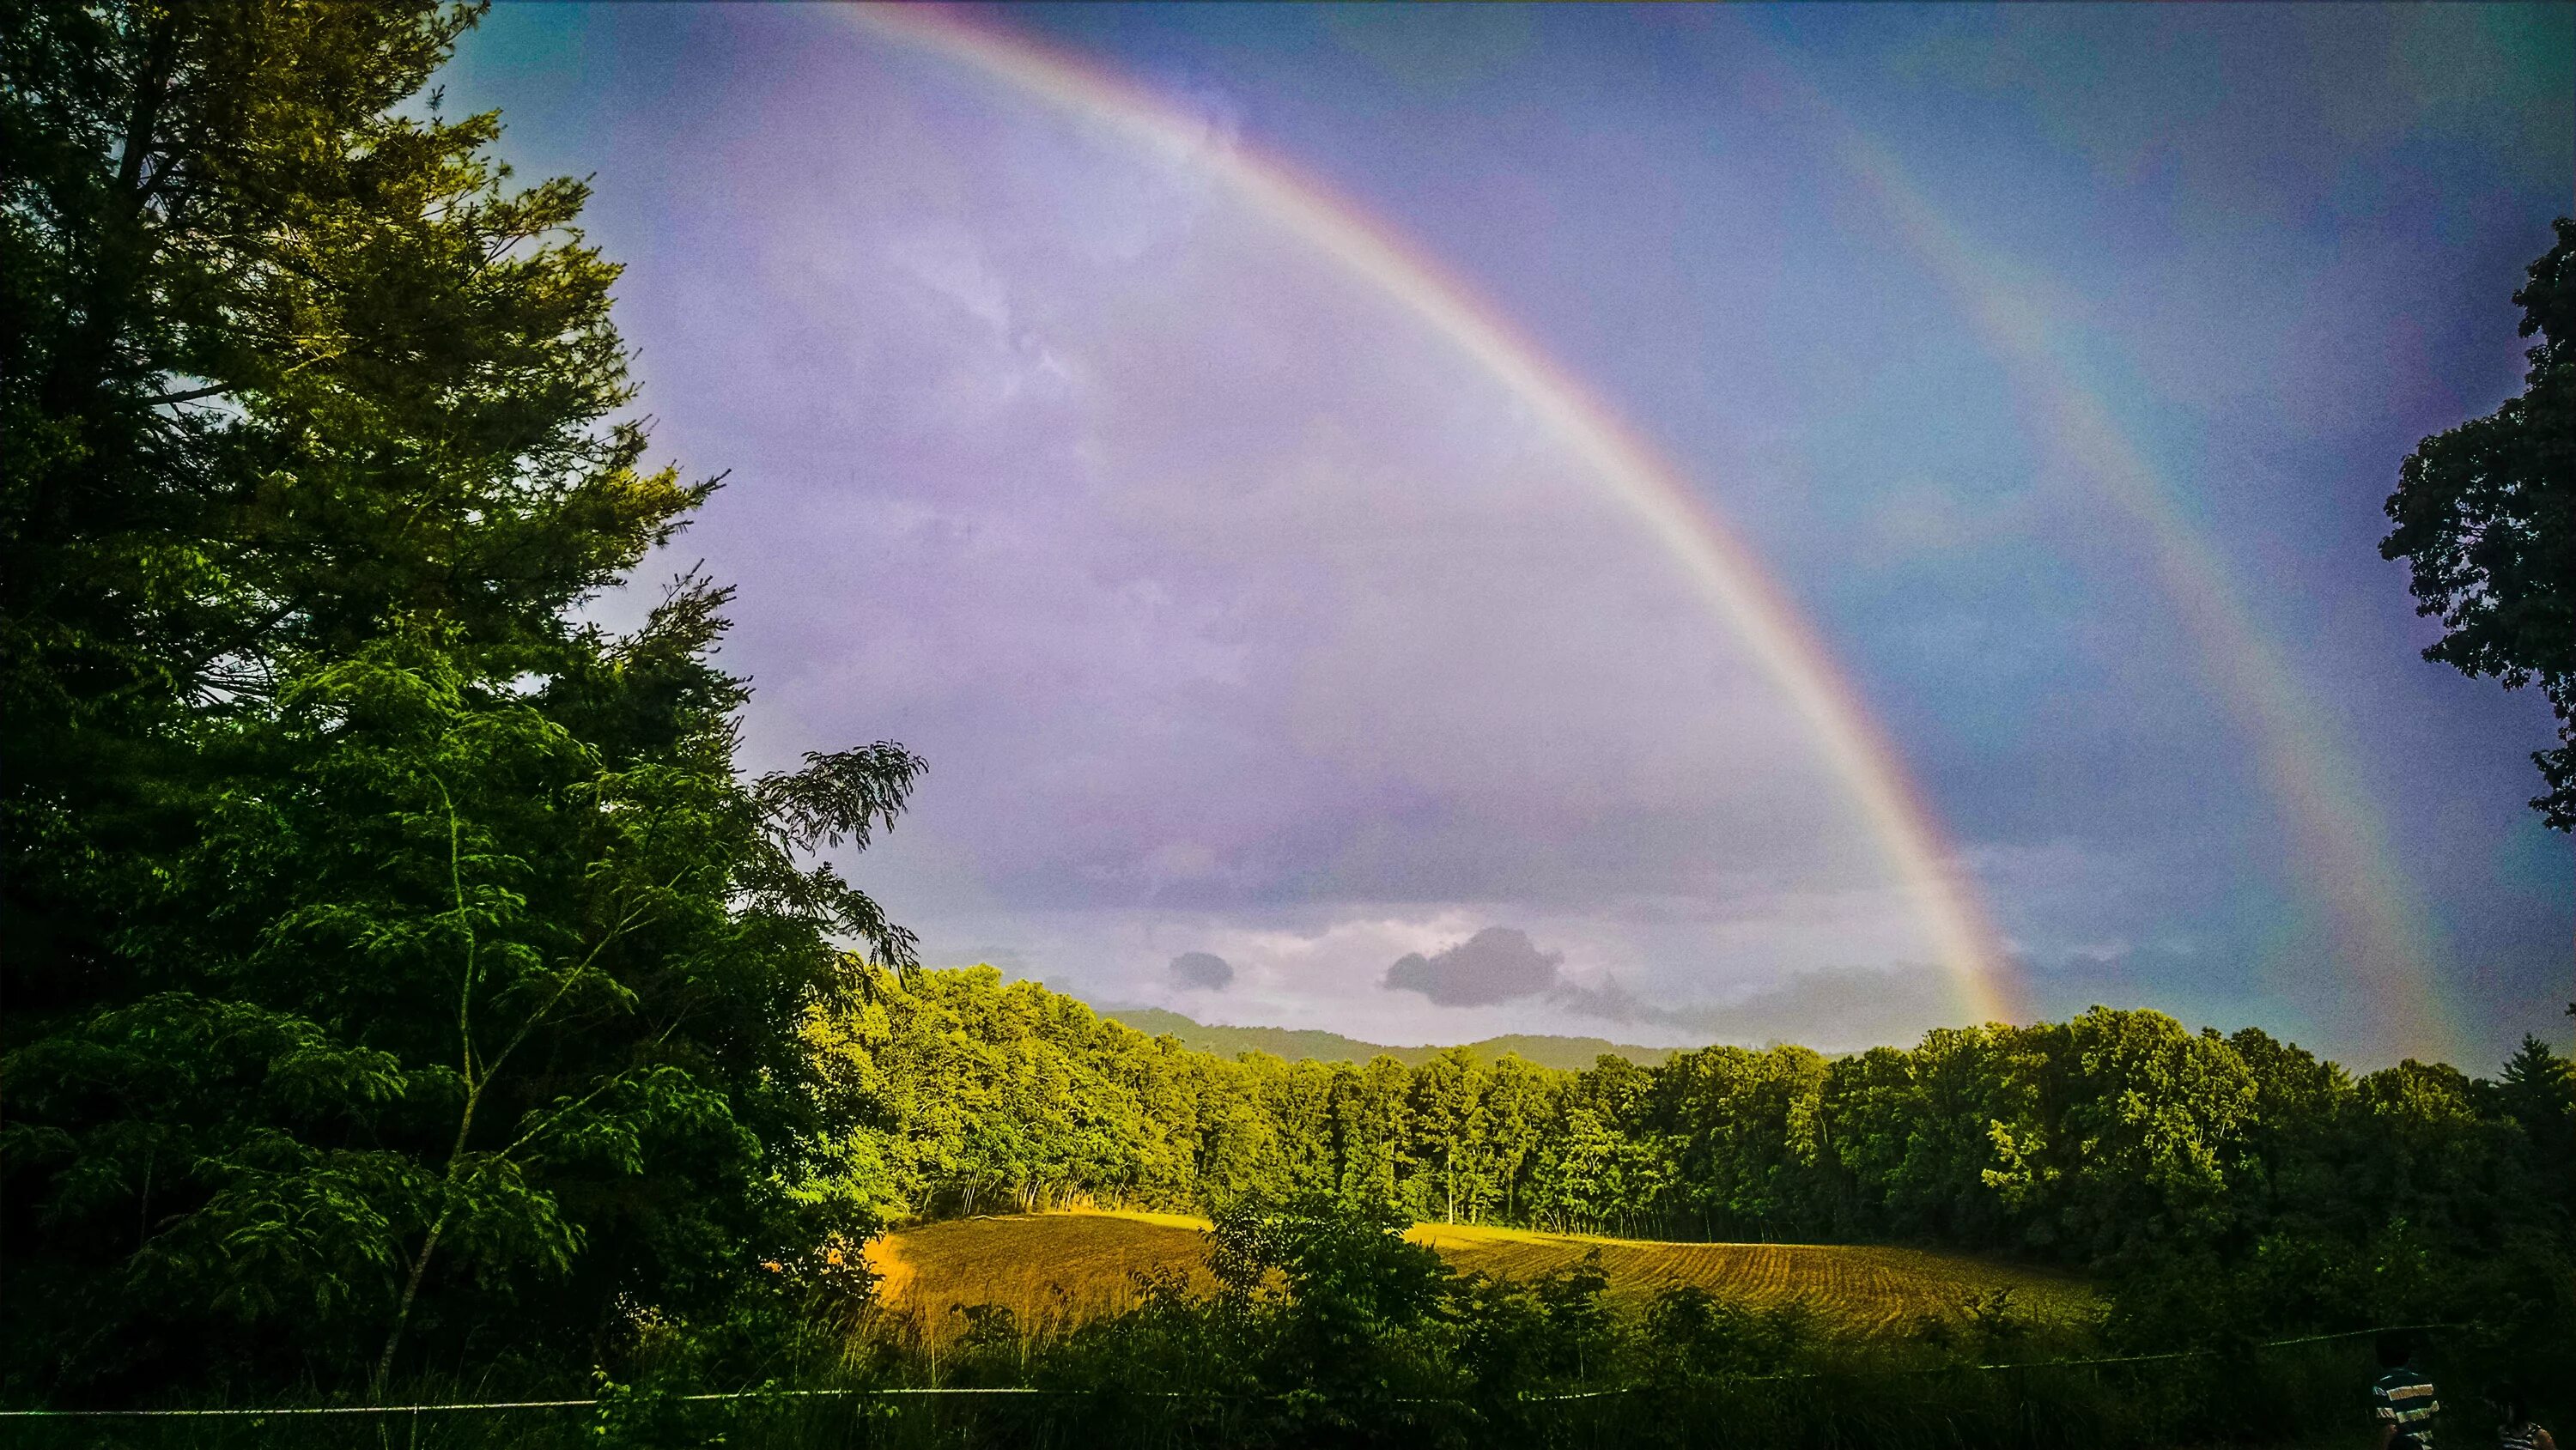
<point>2155,1122</point>
<point>2537,1090</point>
<point>2486,513</point>
<point>394,960</point>
<point>1747,1133</point>
<point>1369,1129</point>
<point>1351,1281</point>
<point>1518,1102</point>
<point>280,366</point>
<point>1445,1121</point>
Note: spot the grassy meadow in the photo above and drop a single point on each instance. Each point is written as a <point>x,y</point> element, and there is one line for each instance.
<point>1051,1270</point>
<point>1850,1287</point>
<point>1056,1271</point>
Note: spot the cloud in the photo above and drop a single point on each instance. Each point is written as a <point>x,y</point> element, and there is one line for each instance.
<point>1835,1010</point>
<point>1497,964</point>
<point>1205,971</point>
<point>1839,1010</point>
<point>1613,1002</point>
<point>1128,606</point>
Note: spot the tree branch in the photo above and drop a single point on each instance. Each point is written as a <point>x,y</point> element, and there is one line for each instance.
<point>189,396</point>
<point>474,1086</point>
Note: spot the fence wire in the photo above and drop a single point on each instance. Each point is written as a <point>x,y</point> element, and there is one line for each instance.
<point>927,1391</point>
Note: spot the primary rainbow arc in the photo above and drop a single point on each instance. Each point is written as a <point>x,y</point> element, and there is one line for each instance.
<point>1720,567</point>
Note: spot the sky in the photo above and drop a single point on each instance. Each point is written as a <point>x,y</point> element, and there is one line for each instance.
<point>1281,660</point>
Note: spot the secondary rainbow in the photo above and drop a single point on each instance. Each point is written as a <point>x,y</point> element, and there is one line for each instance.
<point>1719,565</point>
<point>2376,918</point>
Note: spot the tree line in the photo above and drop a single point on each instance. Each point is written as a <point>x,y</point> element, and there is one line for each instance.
<point>2113,1139</point>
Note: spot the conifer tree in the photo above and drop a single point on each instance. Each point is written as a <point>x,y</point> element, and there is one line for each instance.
<point>388,948</point>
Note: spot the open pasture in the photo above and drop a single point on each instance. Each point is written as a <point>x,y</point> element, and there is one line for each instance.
<point>1053,1270</point>
<point>1853,1286</point>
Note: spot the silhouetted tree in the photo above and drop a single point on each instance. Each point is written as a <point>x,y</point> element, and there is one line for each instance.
<point>2486,513</point>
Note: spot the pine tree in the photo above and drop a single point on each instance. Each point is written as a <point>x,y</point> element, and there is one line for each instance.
<point>393,957</point>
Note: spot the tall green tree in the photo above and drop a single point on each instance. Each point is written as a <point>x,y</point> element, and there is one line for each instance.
<point>2155,1118</point>
<point>280,367</point>
<point>1445,1122</point>
<point>395,961</point>
<point>2486,516</point>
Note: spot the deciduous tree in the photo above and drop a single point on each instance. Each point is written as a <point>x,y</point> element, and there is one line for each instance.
<point>2485,514</point>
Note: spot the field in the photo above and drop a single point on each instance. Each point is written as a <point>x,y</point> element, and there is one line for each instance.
<point>1055,1269</point>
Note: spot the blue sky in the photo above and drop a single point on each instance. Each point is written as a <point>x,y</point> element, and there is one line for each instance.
<point>1236,616</point>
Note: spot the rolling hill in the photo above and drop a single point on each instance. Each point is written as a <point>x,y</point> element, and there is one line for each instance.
<point>1572,1054</point>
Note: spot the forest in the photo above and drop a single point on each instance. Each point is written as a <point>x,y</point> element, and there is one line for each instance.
<point>410,995</point>
<point>2117,1139</point>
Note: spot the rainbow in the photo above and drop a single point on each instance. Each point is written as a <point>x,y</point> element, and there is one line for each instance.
<point>2376,917</point>
<point>1720,567</point>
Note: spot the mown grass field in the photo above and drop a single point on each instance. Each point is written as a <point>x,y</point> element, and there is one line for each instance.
<point>1052,1270</point>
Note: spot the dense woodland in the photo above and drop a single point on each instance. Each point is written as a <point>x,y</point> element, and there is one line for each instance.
<point>2118,1137</point>
<point>404,976</point>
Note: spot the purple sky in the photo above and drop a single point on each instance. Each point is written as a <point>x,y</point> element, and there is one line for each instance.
<point>1240,616</point>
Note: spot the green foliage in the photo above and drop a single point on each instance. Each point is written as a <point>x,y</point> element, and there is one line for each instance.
<point>1344,1263</point>
<point>1352,1291</point>
<point>398,964</point>
<point>2486,516</point>
<point>2118,1143</point>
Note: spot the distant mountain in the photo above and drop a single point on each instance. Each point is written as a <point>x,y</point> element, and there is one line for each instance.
<point>1571,1053</point>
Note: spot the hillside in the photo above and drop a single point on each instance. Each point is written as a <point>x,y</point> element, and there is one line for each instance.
<point>1572,1054</point>
<point>1052,1270</point>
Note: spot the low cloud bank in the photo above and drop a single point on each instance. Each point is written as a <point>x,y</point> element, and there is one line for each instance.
<point>1834,1011</point>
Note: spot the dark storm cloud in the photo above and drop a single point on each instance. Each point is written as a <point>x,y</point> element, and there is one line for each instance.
<point>1497,964</point>
<point>1203,970</point>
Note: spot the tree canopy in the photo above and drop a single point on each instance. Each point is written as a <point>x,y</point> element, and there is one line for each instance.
<point>2485,513</point>
<point>389,947</point>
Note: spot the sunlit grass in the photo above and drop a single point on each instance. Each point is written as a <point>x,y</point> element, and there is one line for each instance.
<point>1056,1270</point>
